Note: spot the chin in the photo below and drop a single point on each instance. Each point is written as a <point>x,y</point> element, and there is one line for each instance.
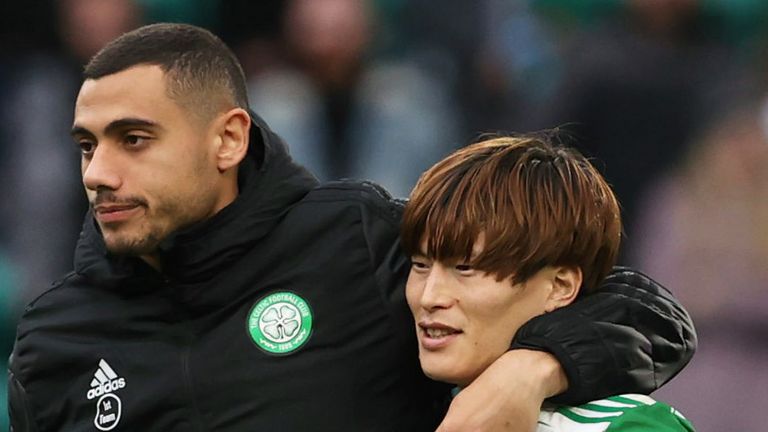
<point>448,373</point>
<point>133,246</point>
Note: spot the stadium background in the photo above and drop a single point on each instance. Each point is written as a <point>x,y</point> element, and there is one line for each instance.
<point>669,96</point>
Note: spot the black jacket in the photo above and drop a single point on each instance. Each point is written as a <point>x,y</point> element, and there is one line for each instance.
<point>205,347</point>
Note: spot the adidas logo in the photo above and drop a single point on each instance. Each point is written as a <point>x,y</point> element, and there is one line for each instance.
<point>104,381</point>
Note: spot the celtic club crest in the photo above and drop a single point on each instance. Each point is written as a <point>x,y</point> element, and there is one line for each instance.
<point>280,323</point>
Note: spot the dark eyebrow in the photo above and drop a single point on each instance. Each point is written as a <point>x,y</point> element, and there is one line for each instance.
<point>79,131</point>
<point>115,125</point>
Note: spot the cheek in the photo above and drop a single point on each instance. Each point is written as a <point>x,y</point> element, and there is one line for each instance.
<point>191,179</point>
<point>499,334</point>
<point>497,321</point>
<point>509,319</point>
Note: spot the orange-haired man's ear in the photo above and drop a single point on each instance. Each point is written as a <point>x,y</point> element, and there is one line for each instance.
<point>565,288</point>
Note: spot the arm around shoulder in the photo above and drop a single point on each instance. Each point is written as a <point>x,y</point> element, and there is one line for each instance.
<point>629,336</point>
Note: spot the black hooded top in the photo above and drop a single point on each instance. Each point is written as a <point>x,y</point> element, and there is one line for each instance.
<point>286,311</point>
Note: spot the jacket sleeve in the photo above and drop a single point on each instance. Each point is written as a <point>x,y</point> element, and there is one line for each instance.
<point>18,407</point>
<point>629,336</point>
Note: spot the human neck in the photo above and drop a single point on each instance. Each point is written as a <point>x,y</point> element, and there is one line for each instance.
<point>153,260</point>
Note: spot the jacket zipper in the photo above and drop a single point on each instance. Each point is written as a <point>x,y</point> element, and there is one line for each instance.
<point>189,387</point>
<point>186,341</point>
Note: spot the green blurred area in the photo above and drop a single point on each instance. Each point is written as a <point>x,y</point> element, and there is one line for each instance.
<point>203,13</point>
<point>8,290</point>
<point>738,22</point>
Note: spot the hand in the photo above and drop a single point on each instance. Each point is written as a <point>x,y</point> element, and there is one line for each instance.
<point>508,395</point>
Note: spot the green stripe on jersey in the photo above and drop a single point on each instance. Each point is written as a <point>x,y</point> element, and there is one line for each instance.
<point>625,413</point>
<point>658,417</point>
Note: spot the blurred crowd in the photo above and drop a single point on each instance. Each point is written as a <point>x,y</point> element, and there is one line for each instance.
<point>670,98</point>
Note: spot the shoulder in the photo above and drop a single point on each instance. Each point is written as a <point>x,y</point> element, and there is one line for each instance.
<point>59,296</point>
<point>42,318</point>
<point>369,197</point>
<point>62,300</point>
<point>353,216</point>
<point>623,413</point>
<point>71,306</point>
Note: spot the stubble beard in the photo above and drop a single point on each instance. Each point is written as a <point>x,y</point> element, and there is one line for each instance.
<point>168,214</point>
<point>143,241</point>
<point>143,236</point>
<point>154,227</point>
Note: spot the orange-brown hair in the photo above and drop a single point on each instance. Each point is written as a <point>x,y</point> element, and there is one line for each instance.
<point>537,204</point>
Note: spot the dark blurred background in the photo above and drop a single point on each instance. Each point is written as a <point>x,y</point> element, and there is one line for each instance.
<point>669,96</point>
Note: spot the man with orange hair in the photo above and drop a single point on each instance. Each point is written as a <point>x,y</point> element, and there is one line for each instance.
<point>502,232</point>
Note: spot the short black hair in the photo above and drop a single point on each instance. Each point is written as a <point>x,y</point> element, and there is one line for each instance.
<point>199,67</point>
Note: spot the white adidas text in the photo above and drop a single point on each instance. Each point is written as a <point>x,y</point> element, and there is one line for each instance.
<point>107,387</point>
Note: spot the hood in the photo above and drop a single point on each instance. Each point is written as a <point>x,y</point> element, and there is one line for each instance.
<point>270,182</point>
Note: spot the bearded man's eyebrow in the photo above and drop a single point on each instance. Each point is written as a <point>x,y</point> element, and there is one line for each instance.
<point>117,125</point>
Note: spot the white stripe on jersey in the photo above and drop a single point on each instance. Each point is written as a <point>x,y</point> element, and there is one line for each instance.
<point>593,414</point>
<point>643,399</point>
<point>611,404</point>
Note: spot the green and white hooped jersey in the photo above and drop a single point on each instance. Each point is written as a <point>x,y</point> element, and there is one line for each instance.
<point>625,413</point>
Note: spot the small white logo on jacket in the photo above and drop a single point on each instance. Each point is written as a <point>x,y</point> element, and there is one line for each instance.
<point>104,381</point>
<point>109,407</point>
